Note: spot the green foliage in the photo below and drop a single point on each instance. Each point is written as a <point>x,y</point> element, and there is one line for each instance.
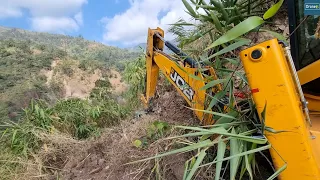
<point>135,75</point>
<point>76,47</point>
<point>21,138</point>
<point>220,23</point>
<point>20,77</point>
<point>215,40</point>
<point>273,10</point>
<point>155,131</point>
<point>39,115</point>
<point>23,54</point>
<point>76,117</point>
<point>137,143</point>
<point>90,65</point>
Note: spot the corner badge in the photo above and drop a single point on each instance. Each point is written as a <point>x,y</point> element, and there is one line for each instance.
<point>312,7</point>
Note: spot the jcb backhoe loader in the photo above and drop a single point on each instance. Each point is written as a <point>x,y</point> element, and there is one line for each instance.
<point>287,82</point>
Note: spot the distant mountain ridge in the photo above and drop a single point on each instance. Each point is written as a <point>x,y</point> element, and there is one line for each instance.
<point>75,46</point>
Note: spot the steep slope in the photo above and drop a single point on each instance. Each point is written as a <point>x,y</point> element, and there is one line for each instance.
<point>23,54</point>
<point>78,83</point>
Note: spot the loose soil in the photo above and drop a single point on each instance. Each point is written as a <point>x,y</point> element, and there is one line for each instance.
<point>105,157</point>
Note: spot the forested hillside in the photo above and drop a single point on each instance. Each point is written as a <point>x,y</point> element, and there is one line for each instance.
<point>76,47</point>
<point>23,54</point>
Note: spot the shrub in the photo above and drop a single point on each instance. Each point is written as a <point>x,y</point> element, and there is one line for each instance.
<point>135,75</point>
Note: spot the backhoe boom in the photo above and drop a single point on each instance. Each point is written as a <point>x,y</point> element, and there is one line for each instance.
<point>178,71</point>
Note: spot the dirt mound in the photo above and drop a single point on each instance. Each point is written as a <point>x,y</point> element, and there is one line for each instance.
<point>172,107</point>
<point>105,157</point>
<point>77,82</point>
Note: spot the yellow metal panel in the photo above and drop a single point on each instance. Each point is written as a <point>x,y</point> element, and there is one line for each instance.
<point>273,85</point>
<point>309,73</point>
<point>313,101</point>
<point>152,68</point>
<point>187,86</point>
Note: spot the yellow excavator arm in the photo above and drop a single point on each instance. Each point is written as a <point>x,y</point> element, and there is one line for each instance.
<point>274,83</point>
<point>182,71</point>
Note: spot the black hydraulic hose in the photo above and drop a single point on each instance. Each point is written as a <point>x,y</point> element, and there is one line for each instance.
<point>179,52</point>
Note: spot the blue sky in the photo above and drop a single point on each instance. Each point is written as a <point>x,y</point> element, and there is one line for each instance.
<point>122,23</point>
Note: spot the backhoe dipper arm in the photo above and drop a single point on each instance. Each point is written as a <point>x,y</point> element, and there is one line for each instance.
<point>275,90</point>
<point>177,72</point>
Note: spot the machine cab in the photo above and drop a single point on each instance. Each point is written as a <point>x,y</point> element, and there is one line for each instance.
<point>305,50</point>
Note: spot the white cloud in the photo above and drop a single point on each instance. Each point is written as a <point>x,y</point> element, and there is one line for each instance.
<point>46,15</point>
<point>54,24</point>
<point>7,11</point>
<point>131,26</point>
<point>48,7</point>
<point>78,18</point>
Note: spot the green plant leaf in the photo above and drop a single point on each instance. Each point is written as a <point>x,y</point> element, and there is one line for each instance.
<point>42,113</point>
<point>234,149</point>
<point>231,95</point>
<point>229,48</point>
<point>193,135</point>
<point>189,8</point>
<point>242,76</point>
<point>216,21</point>
<point>224,120</point>
<point>196,164</point>
<point>212,84</point>
<point>278,172</point>
<point>205,136</point>
<point>195,77</point>
<point>220,155</point>
<point>245,26</point>
<point>222,131</point>
<point>186,168</point>
<point>137,143</point>
<point>234,61</point>
<point>214,113</point>
<point>220,8</point>
<point>240,154</point>
<point>269,129</point>
<point>263,117</point>
<point>206,7</point>
<point>192,147</point>
<point>273,10</point>
<point>276,35</point>
<point>13,136</point>
<point>182,24</point>
<point>248,166</point>
<point>216,98</point>
<point>160,126</point>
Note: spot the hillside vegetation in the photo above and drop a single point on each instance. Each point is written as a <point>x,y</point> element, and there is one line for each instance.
<point>75,47</point>
<point>23,54</point>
